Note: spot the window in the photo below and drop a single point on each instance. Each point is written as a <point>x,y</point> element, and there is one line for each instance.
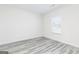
<point>56,24</point>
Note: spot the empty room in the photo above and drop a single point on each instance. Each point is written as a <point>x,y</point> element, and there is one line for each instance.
<point>39,28</point>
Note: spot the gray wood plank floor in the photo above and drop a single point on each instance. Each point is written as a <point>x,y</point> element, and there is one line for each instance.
<point>39,45</point>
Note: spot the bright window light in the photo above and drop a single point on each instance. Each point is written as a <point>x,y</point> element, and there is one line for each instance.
<point>56,24</point>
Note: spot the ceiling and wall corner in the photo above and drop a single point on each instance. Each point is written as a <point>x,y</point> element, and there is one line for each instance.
<point>39,9</point>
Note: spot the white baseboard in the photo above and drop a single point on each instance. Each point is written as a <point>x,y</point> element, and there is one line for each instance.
<point>66,42</point>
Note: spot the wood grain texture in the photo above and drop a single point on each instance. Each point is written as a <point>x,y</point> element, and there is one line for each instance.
<point>39,45</point>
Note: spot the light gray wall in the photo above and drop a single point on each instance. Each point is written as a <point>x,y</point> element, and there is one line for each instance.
<point>70,25</point>
<point>17,24</point>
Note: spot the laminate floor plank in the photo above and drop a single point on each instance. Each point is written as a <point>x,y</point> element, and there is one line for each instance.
<point>39,45</point>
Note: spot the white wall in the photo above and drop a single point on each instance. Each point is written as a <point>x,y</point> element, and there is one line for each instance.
<point>70,25</point>
<point>17,24</point>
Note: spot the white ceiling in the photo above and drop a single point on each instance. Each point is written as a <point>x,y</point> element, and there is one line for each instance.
<point>36,8</point>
